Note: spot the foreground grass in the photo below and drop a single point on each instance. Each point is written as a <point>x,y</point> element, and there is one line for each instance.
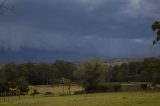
<point>99,99</point>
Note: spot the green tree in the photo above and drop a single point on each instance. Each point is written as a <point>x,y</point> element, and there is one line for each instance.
<point>64,69</point>
<point>45,73</point>
<point>123,73</point>
<point>22,85</point>
<point>91,74</point>
<point>156,27</point>
<point>2,76</point>
<point>10,71</point>
<point>113,73</point>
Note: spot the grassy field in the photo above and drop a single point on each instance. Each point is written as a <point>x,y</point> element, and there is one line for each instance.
<point>56,89</point>
<point>99,99</point>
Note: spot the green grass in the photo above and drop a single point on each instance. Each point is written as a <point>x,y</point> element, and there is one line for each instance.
<point>98,99</point>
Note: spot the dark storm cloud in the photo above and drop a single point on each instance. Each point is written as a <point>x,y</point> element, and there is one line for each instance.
<point>83,17</point>
<point>102,28</point>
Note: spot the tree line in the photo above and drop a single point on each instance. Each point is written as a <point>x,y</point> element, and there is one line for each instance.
<point>91,74</point>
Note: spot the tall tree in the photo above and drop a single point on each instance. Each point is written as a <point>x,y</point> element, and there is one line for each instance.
<point>64,69</point>
<point>91,74</point>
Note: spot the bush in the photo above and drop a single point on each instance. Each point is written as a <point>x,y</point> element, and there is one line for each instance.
<point>49,93</point>
<point>102,88</point>
<point>79,92</point>
<point>144,86</point>
<point>23,85</point>
<point>62,94</point>
<point>105,87</point>
<point>115,87</point>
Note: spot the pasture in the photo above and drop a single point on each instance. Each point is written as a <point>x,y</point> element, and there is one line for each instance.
<point>98,99</point>
<point>58,89</point>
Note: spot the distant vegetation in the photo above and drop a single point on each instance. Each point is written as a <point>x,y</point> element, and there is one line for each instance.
<point>92,75</point>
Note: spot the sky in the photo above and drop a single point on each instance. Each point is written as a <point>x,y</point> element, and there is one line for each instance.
<point>48,30</point>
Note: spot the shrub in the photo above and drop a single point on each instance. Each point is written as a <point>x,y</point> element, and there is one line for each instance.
<point>144,86</point>
<point>79,92</point>
<point>115,87</point>
<point>22,85</point>
<point>49,93</point>
<point>105,87</point>
<point>102,87</point>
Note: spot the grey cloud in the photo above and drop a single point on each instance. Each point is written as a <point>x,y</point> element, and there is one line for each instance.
<point>98,27</point>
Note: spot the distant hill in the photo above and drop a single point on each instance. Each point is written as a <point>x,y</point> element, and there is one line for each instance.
<point>119,61</point>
